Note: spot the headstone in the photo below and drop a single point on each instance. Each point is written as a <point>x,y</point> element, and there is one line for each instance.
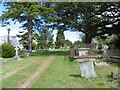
<point>26,54</point>
<point>1,60</point>
<point>105,48</point>
<point>115,74</point>
<point>83,51</point>
<point>101,64</point>
<point>16,57</point>
<point>87,68</point>
<point>72,51</point>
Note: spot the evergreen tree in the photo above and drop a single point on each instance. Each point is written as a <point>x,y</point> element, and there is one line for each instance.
<point>27,13</point>
<point>60,39</point>
<point>90,18</point>
<point>45,39</point>
<point>24,39</point>
<point>68,43</point>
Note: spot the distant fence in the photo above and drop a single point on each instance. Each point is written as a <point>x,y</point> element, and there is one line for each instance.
<point>113,54</point>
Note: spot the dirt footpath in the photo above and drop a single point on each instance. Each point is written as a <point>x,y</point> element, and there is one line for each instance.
<point>18,69</point>
<point>37,74</point>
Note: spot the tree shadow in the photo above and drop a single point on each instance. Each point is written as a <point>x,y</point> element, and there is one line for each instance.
<point>76,76</point>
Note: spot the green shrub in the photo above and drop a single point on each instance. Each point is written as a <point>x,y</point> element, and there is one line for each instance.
<point>22,56</point>
<point>0,50</point>
<point>22,52</point>
<point>8,51</point>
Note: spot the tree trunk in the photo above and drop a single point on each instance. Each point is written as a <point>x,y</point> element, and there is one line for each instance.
<point>30,37</point>
<point>88,39</point>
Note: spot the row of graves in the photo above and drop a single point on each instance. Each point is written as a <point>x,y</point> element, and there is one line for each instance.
<point>87,62</point>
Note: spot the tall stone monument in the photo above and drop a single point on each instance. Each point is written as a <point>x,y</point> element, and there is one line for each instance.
<point>16,57</point>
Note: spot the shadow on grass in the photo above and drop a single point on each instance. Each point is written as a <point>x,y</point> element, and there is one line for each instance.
<point>43,52</point>
<point>76,76</point>
<point>79,76</point>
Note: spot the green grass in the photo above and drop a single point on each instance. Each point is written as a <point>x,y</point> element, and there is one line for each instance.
<point>61,73</point>
<point>0,77</point>
<point>65,74</point>
<point>43,53</point>
<point>23,74</point>
<point>15,64</point>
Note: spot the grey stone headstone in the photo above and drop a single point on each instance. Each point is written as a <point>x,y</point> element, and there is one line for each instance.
<point>115,74</point>
<point>16,57</point>
<point>1,60</point>
<point>101,64</point>
<point>87,69</point>
<point>83,51</point>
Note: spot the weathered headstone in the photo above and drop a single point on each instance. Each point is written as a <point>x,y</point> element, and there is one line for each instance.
<point>101,64</point>
<point>26,54</point>
<point>115,74</point>
<point>72,51</point>
<point>16,57</point>
<point>83,51</point>
<point>1,60</point>
<point>87,68</point>
<point>105,48</point>
<point>86,63</point>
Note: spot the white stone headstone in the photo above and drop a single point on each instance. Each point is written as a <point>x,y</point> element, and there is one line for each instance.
<point>87,68</point>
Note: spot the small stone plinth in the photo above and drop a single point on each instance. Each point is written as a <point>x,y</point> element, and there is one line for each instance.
<point>17,57</point>
<point>87,68</point>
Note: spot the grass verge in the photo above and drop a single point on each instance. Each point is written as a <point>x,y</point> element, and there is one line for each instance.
<point>65,74</point>
<point>22,75</point>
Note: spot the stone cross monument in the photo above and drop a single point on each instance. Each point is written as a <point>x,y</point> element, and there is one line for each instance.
<point>16,57</point>
<point>16,48</point>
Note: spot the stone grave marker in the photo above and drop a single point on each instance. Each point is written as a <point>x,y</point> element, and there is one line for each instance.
<point>1,60</point>
<point>86,63</point>
<point>87,68</point>
<point>72,50</point>
<point>83,51</point>
<point>16,57</point>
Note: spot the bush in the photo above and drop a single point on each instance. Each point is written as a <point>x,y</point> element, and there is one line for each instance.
<point>0,50</point>
<point>8,51</point>
<point>22,52</point>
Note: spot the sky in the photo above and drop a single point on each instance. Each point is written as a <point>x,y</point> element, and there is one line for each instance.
<point>72,36</point>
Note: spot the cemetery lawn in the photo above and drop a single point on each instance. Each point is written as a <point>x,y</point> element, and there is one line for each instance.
<point>7,67</point>
<point>21,75</point>
<point>61,73</point>
<point>65,74</point>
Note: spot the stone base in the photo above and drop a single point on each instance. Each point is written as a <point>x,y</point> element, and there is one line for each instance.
<point>17,58</point>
